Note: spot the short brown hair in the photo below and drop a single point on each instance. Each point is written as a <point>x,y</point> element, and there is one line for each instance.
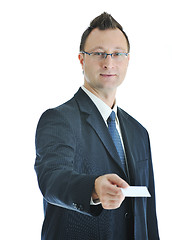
<point>102,22</point>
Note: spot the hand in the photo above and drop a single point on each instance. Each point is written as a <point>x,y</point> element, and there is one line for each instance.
<point>107,190</point>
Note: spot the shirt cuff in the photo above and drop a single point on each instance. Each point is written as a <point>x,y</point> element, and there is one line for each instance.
<point>95,202</point>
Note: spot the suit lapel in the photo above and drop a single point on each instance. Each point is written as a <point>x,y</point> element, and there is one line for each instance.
<point>96,121</point>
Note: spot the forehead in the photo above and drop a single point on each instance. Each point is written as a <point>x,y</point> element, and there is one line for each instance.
<point>106,39</point>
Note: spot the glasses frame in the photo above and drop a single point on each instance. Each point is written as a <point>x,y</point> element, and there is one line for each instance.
<point>105,54</point>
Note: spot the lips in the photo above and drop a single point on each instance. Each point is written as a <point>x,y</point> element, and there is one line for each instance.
<point>108,75</point>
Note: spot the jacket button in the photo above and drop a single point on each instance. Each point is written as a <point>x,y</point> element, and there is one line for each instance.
<point>74,205</point>
<point>78,206</point>
<point>127,215</point>
<point>81,208</point>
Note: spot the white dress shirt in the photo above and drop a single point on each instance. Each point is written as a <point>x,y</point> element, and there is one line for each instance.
<point>104,109</point>
<point>105,112</point>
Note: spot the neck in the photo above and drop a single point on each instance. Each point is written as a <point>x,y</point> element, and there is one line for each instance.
<point>107,96</point>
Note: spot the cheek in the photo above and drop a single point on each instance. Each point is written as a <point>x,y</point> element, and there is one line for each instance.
<point>90,68</point>
<point>123,69</point>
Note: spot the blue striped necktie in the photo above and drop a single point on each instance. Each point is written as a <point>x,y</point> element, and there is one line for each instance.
<point>116,138</point>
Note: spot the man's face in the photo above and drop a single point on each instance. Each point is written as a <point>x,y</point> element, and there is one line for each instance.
<point>108,73</point>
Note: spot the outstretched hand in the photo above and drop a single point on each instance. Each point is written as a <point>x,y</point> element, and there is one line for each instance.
<point>107,190</point>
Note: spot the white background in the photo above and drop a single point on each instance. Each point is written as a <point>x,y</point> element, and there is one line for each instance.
<point>39,69</point>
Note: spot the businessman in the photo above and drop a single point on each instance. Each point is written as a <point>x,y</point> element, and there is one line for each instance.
<point>88,149</point>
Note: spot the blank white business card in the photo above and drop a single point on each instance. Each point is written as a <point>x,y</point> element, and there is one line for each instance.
<point>136,191</point>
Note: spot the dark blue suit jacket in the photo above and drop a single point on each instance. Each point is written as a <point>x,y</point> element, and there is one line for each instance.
<point>73,148</point>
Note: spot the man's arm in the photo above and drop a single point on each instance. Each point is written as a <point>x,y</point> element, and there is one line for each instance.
<point>55,153</point>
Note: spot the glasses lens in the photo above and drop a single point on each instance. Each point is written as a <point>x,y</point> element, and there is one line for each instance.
<point>119,56</point>
<point>98,55</point>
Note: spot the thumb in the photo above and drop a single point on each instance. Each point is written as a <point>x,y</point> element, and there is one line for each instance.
<point>116,180</point>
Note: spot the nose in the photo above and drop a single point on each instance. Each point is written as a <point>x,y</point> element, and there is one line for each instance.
<point>108,62</point>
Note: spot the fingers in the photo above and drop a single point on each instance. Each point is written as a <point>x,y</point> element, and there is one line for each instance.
<point>107,188</point>
<point>116,180</point>
<point>113,204</point>
<point>112,200</point>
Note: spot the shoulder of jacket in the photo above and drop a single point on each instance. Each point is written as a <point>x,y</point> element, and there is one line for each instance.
<point>132,120</point>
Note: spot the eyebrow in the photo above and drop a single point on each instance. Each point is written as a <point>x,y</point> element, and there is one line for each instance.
<point>103,49</point>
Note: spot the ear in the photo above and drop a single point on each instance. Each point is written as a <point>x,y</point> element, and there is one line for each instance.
<point>81,59</point>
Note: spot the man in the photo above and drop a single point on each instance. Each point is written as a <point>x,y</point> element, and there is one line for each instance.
<point>88,149</point>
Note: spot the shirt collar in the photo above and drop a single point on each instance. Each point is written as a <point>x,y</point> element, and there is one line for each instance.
<point>103,108</point>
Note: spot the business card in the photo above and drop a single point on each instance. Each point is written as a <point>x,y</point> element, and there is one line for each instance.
<point>136,191</point>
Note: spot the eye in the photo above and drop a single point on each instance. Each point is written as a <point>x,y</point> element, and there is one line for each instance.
<point>117,54</point>
<point>98,53</point>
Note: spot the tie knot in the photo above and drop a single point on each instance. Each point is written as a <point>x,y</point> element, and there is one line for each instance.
<point>112,116</point>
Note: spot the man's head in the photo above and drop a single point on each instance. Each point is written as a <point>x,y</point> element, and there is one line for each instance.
<point>104,55</point>
<point>103,22</point>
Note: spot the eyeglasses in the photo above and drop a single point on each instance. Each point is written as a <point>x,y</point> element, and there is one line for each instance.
<point>98,56</point>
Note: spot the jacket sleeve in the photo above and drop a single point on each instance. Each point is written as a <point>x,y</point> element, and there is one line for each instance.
<point>55,153</point>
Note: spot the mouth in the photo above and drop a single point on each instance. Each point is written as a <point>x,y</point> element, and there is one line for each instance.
<point>108,75</point>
